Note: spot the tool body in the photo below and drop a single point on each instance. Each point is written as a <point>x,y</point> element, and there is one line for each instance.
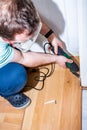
<point>74,68</point>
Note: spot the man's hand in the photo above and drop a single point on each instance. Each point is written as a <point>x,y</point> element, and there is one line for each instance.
<point>55,42</point>
<point>62,61</point>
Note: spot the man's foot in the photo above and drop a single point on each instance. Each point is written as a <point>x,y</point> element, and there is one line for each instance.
<point>19,101</point>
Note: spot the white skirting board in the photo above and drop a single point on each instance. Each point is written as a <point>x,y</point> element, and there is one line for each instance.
<point>84,109</point>
<point>83,40</point>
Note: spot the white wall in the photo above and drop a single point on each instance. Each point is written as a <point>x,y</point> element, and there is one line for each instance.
<point>61,16</point>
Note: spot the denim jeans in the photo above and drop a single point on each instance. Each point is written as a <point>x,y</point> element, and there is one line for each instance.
<point>13,78</point>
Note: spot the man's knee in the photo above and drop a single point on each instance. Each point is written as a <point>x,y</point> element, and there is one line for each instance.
<point>14,78</point>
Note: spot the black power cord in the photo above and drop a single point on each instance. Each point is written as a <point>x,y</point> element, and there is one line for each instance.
<point>43,75</point>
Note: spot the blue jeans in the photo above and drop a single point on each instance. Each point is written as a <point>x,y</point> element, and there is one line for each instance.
<point>13,78</point>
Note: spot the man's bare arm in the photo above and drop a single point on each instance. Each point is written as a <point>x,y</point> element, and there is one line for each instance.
<point>34,59</point>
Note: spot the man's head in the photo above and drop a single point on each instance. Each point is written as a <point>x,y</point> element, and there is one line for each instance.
<point>17,17</point>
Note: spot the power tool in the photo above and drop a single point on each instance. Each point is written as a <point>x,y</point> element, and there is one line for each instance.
<point>74,68</point>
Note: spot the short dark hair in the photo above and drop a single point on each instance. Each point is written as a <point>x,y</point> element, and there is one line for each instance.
<point>16,16</point>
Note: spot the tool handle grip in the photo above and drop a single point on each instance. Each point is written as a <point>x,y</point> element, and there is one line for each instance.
<point>72,66</point>
<point>61,52</point>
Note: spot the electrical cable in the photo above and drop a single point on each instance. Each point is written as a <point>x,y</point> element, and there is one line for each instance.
<point>43,75</point>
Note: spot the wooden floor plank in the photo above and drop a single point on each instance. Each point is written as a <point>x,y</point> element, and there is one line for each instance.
<point>10,118</point>
<point>63,87</point>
